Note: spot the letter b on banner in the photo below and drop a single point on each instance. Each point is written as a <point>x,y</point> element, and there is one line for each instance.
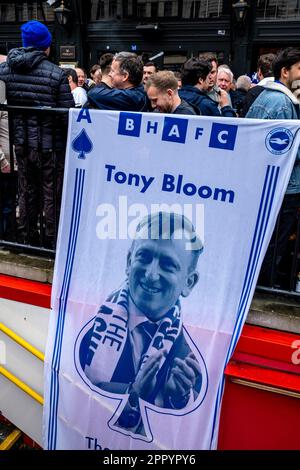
<point>130,124</point>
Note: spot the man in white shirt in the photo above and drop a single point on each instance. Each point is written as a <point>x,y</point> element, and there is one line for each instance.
<point>79,93</point>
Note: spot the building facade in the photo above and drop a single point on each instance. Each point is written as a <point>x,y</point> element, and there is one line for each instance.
<point>173,30</point>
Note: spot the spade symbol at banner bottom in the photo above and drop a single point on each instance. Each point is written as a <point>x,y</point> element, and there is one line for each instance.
<point>137,407</point>
<point>130,419</point>
<point>82,144</point>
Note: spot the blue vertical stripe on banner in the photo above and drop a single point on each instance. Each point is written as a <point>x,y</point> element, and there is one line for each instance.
<point>262,220</point>
<point>248,285</point>
<point>255,253</point>
<point>63,299</point>
<point>55,364</point>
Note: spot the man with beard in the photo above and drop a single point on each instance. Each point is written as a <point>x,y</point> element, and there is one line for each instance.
<point>162,91</point>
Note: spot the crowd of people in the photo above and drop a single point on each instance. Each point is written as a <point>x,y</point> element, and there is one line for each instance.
<point>123,82</point>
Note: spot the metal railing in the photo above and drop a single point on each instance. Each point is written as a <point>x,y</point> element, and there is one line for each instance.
<point>21,385</point>
<point>280,272</point>
<point>31,192</point>
<point>32,350</point>
<point>22,342</point>
<point>11,439</point>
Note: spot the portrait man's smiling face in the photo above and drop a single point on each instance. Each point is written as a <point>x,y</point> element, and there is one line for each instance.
<point>158,273</point>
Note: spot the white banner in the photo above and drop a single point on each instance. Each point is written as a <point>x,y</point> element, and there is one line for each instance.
<point>164,225</point>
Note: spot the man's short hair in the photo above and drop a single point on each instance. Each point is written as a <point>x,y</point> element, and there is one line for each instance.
<point>163,80</point>
<point>285,58</point>
<point>94,68</point>
<point>132,64</point>
<point>177,74</point>
<point>264,64</point>
<point>151,64</point>
<point>80,68</point>
<point>105,62</point>
<point>226,69</point>
<point>209,57</point>
<point>243,82</point>
<point>163,225</point>
<point>193,69</point>
<point>72,73</point>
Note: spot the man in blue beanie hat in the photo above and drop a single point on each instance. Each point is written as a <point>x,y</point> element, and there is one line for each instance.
<point>39,139</point>
<point>35,34</point>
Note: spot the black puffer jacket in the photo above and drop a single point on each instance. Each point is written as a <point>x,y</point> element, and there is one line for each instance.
<point>32,80</point>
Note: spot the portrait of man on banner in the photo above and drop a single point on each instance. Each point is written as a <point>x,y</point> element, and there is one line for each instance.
<point>138,345</point>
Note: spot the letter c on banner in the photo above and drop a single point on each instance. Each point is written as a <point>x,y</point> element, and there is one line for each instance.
<point>221,138</point>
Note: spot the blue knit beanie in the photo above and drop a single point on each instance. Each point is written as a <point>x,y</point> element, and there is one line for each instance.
<point>35,34</point>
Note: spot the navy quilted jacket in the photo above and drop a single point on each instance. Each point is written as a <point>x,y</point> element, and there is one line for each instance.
<point>32,80</point>
<point>207,106</point>
<point>131,99</point>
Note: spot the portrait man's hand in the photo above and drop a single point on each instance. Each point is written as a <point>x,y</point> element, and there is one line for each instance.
<point>182,380</point>
<point>141,388</point>
<point>145,379</point>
